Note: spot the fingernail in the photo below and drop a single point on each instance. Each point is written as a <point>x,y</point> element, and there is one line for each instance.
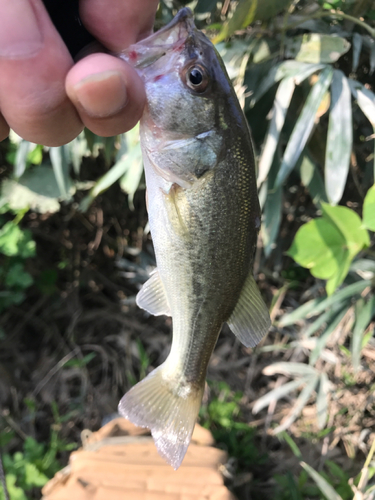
<point>20,35</point>
<point>103,94</point>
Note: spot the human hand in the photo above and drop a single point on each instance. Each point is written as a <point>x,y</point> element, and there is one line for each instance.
<point>46,98</point>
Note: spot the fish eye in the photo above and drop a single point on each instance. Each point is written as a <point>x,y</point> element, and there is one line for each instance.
<point>196,78</point>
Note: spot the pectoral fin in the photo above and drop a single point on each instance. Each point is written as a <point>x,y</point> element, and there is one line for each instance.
<point>152,296</point>
<point>250,320</point>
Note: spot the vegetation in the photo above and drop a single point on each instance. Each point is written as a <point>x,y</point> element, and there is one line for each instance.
<point>296,414</point>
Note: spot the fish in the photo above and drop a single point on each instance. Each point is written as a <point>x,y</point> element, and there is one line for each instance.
<point>204,218</point>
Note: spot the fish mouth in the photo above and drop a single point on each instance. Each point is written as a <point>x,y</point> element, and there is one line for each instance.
<point>171,37</point>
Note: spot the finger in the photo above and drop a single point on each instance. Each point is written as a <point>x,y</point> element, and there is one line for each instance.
<point>108,94</point>
<point>118,24</point>
<point>4,129</point>
<point>33,64</point>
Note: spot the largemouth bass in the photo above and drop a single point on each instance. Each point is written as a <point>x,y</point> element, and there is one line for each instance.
<point>204,218</point>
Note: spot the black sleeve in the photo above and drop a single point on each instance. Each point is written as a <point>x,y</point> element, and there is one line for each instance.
<point>65,16</point>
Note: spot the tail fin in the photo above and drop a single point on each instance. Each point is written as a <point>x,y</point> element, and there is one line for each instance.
<point>168,411</point>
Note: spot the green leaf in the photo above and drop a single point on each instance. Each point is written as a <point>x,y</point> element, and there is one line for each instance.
<point>36,189</point>
<point>129,182</point>
<point>322,484</point>
<point>322,400</point>
<point>18,277</point>
<point>312,179</point>
<point>319,246</point>
<point>357,47</point>
<point>22,153</point>
<point>328,245</point>
<point>281,104</point>
<point>299,405</point>
<point>364,312</point>
<point>15,241</point>
<point>316,48</point>
<point>242,17</point>
<point>298,70</point>
<point>277,393</point>
<point>339,138</point>
<point>369,209</point>
<point>350,225</point>
<point>15,492</point>
<point>323,339</point>
<point>366,101</point>
<point>304,125</point>
<point>316,306</point>
<point>60,165</point>
<point>106,181</point>
<point>272,210</point>
<point>33,477</point>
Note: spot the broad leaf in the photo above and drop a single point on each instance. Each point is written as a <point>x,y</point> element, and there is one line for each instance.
<point>15,241</point>
<point>369,209</point>
<point>328,245</point>
<point>350,225</point>
<point>316,48</point>
<point>339,138</point>
<point>304,125</point>
<point>36,189</point>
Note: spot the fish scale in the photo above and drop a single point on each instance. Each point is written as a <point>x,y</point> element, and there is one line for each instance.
<point>204,218</point>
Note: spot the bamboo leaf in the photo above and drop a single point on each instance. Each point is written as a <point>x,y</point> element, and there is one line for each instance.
<point>109,178</point>
<point>290,369</point>
<point>304,125</point>
<point>322,484</point>
<point>272,210</point>
<point>298,70</point>
<point>304,311</point>
<point>322,400</point>
<point>312,179</point>
<point>316,48</point>
<point>366,101</point>
<point>242,17</point>
<point>316,306</point>
<point>357,47</point>
<point>23,151</point>
<point>364,311</point>
<point>299,405</point>
<point>339,138</point>
<point>369,209</point>
<point>276,394</point>
<point>323,339</point>
<point>60,165</point>
<point>281,104</point>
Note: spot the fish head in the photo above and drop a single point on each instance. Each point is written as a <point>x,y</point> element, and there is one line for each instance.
<point>190,100</point>
<point>183,76</point>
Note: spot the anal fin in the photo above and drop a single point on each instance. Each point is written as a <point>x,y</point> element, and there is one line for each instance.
<point>250,320</point>
<point>152,296</point>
